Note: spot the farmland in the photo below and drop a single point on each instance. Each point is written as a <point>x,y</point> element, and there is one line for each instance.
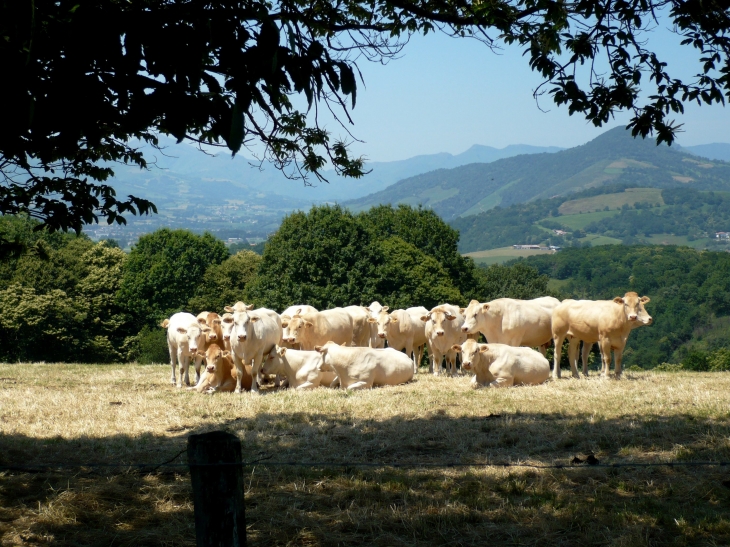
<point>497,256</point>
<point>128,414</point>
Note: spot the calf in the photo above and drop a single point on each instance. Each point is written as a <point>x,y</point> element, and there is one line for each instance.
<point>500,365</point>
<point>220,373</point>
<point>184,337</point>
<point>403,329</point>
<point>363,368</point>
<point>443,331</point>
<point>608,322</point>
<point>301,368</point>
<point>252,335</point>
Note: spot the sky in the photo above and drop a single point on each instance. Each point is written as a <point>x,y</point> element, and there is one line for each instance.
<point>446,94</point>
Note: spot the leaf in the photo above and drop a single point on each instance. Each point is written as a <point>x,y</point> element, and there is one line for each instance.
<point>235,140</point>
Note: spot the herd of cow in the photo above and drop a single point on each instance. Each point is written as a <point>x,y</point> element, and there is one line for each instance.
<point>344,347</point>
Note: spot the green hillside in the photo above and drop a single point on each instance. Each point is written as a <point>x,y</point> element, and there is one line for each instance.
<point>612,158</point>
<point>601,216</point>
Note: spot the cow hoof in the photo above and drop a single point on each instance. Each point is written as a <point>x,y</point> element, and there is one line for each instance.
<point>237,390</point>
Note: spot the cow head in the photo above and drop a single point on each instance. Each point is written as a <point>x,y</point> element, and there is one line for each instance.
<point>203,317</point>
<point>375,308</point>
<point>634,309</point>
<point>383,320</point>
<point>238,306</point>
<point>242,325</point>
<point>471,353</point>
<point>438,318</point>
<point>214,356</point>
<point>273,361</point>
<point>326,363</point>
<point>226,326</point>
<point>297,326</point>
<point>471,315</point>
<point>192,337</point>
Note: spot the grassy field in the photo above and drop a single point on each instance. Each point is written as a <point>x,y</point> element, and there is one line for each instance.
<point>73,414</point>
<point>612,201</point>
<point>581,220</point>
<point>502,254</point>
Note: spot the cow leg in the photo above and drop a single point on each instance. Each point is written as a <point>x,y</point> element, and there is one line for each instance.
<point>255,368</point>
<point>503,381</point>
<point>558,340</point>
<point>358,385</point>
<point>239,371</point>
<point>173,362</point>
<point>436,359</point>
<point>409,353</point>
<point>417,356</point>
<point>183,368</point>
<point>605,346</point>
<point>198,363</point>
<point>307,385</point>
<point>618,354</point>
<point>584,356</point>
<point>573,356</point>
<point>543,349</point>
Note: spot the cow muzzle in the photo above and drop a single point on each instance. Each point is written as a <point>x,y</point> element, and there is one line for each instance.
<point>439,333</point>
<point>226,337</point>
<point>465,365</point>
<point>213,337</point>
<point>291,339</point>
<point>381,335</point>
<point>242,337</point>
<point>464,329</point>
<point>633,317</point>
<point>210,368</point>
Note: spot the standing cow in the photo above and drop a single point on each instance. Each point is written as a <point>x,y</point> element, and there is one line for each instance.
<point>443,330</point>
<point>286,317</point>
<point>608,322</point>
<point>184,337</point>
<point>253,333</point>
<point>403,329</point>
<point>373,310</point>
<point>512,322</point>
<point>317,328</point>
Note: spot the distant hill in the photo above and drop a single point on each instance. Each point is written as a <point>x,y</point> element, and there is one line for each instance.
<point>714,151</point>
<point>613,157</point>
<point>598,216</point>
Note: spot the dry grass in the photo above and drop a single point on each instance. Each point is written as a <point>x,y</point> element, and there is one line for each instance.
<point>65,413</point>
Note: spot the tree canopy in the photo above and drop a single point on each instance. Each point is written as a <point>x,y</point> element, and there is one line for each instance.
<point>92,77</point>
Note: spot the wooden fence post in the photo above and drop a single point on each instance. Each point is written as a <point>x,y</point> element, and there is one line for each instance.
<point>220,520</point>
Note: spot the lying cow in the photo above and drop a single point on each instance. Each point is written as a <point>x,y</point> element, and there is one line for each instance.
<point>184,337</point>
<point>403,329</point>
<point>511,321</point>
<point>443,330</point>
<point>301,368</point>
<point>363,368</point>
<point>500,365</point>
<point>608,322</point>
<point>220,373</point>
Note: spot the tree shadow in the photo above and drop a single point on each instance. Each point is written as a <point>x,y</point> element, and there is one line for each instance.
<point>326,504</point>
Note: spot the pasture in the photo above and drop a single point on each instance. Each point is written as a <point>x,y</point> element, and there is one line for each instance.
<point>503,254</point>
<point>630,196</point>
<point>52,413</point>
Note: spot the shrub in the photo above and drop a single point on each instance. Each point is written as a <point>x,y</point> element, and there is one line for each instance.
<point>668,367</point>
<point>719,360</point>
<point>697,361</point>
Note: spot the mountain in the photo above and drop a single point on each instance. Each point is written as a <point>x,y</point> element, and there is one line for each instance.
<point>613,157</point>
<point>714,151</point>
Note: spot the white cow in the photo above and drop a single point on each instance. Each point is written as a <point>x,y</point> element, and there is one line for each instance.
<point>184,337</point>
<point>286,317</point>
<point>361,335</point>
<point>500,365</point>
<point>301,368</point>
<point>608,322</point>
<point>403,329</point>
<point>317,328</point>
<point>443,330</point>
<point>363,368</point>
<point>511,321</point>
<point>373,311</point>
<point>253,334</point>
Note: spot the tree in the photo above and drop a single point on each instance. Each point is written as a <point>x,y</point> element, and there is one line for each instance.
<point>164,270</point>
<point>225,284</point>
<point>224,72</point>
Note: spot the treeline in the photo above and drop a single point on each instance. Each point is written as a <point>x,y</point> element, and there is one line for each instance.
<point>689,291</point>
<point>66,298</point>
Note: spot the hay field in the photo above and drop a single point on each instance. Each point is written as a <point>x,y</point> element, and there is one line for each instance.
<point>128,414</point>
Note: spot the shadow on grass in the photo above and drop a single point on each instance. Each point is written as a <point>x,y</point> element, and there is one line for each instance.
<point>323,505</point>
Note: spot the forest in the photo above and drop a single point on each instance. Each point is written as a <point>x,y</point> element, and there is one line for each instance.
<point>66,298</point>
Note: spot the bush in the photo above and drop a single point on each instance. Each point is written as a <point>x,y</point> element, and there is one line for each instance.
<point>668,367</point>
<point>149,346</point>
<point>697,361</point>
<point>719,360</point>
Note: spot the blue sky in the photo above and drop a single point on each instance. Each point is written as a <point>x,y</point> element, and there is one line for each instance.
<point>445,94</point>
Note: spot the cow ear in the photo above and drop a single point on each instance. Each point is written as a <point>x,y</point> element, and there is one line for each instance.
<point>385,308</point>
<point>372,320</point>
<point>228,319</point>
<point>485,307</point>
<point>182,330</point>
<point>284,324</point>
<point>308,324</point>
<point>344,344</point>
<point>201,320</point>
<point>450,316</point>
<point>229,309</point>
<point>281,351</point>
<point>254,318</point>
<point>462,310</point>
<point>483,348</point>
<point>618,300</point>
<point>456,347</point>
<point>226,354</point>
<point>205,329</point>
<point>393,319</point>
<point>424,318</point>
<point>645,299</point>
<point>319,349</point>
<point>249,307</point>
<point>298,312</point>
<point>165,323</point>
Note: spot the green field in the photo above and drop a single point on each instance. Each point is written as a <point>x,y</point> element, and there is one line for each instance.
<point>597,240</point>
<point>501,255</point>
<point>612,201</point>
<point>580,221</point>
